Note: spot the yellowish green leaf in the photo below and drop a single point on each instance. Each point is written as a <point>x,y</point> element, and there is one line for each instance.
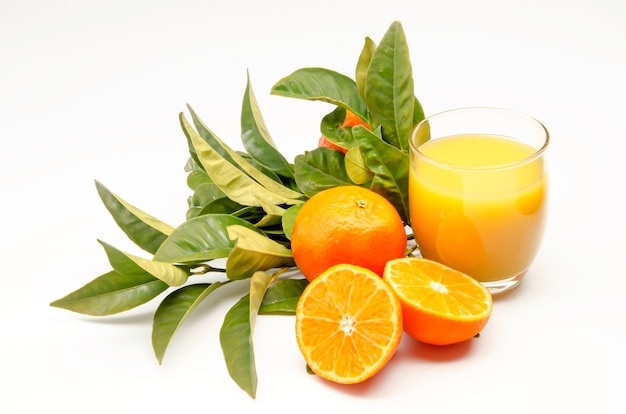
<point>254,251</point>
<point>356,168</point>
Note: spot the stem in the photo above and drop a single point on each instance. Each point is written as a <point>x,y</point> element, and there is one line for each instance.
<point>281,271</point>
<point>205,268</point>
<point>410,251</point>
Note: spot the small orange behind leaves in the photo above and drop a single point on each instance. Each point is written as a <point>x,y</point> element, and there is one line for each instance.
<point>325,142</point>
<point>348,324</point>
<point>350,120</point>
<point>440,305</point>
<point>353,119</point>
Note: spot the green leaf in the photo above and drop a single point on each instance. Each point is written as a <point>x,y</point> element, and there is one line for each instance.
<point>200,239</point>
<point>262,168</point>
<point>112,293</point>
<point>196,179</point>
<point>273,214</point>
<point>222,149</point>
<point>289,218</point>
<point>206,193</point>
<point>356,168</point>
<point>267,178</point>
<point>282,297</point>
<point>237,346</point>
<point>129,264</point>
<point>390,167</point>
<point>259,283</point>
<point>319,84</point>
<point>235,183</point>
<point>331,128</point>
<point>144,230</point>
<point>254,251</point>
<point>256,137</point>
<point>173,311</point>
<point>222,205</point>
<point>418,113</point>
<point>389,89</point>
<point>363,64</point>
<point>204,133</point>
<point>320,169</point>
<point>236,334</point>
<point>196,175</point>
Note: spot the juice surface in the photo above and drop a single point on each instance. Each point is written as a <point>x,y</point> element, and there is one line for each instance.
<point>477,208</point>
<point>476,150</point>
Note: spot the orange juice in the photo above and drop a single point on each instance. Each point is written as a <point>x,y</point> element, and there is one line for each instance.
<point>477,204</point>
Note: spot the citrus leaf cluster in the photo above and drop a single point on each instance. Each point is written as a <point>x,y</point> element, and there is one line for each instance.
<point>243,205</point>
<point>382,94</point>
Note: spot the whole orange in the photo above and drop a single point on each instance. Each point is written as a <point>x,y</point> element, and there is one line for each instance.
<point>350,120</point>
<point>346,225</point>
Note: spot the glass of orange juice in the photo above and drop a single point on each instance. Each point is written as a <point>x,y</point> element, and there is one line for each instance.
<point>477,192</point>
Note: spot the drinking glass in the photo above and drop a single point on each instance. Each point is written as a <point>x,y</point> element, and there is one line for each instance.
<point>477,192</point>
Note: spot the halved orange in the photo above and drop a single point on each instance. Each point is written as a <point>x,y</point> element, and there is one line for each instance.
<point>440,305</point>
<point>348,324</point>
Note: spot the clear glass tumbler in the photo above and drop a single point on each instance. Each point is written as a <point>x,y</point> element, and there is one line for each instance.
<point>477,192</point>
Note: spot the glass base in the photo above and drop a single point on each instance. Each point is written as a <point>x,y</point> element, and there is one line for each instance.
<point>502,286</point>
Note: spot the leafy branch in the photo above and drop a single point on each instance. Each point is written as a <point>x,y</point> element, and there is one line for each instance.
<point>243,204</point>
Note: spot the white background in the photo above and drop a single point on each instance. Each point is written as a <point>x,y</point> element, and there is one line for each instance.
<point>92,90</point>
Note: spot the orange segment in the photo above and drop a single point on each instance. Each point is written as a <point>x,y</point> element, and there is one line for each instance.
<point>348,324</point>
<point>440,305</point>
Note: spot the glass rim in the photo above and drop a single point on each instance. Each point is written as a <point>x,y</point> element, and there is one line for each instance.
<point>496,167</point>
